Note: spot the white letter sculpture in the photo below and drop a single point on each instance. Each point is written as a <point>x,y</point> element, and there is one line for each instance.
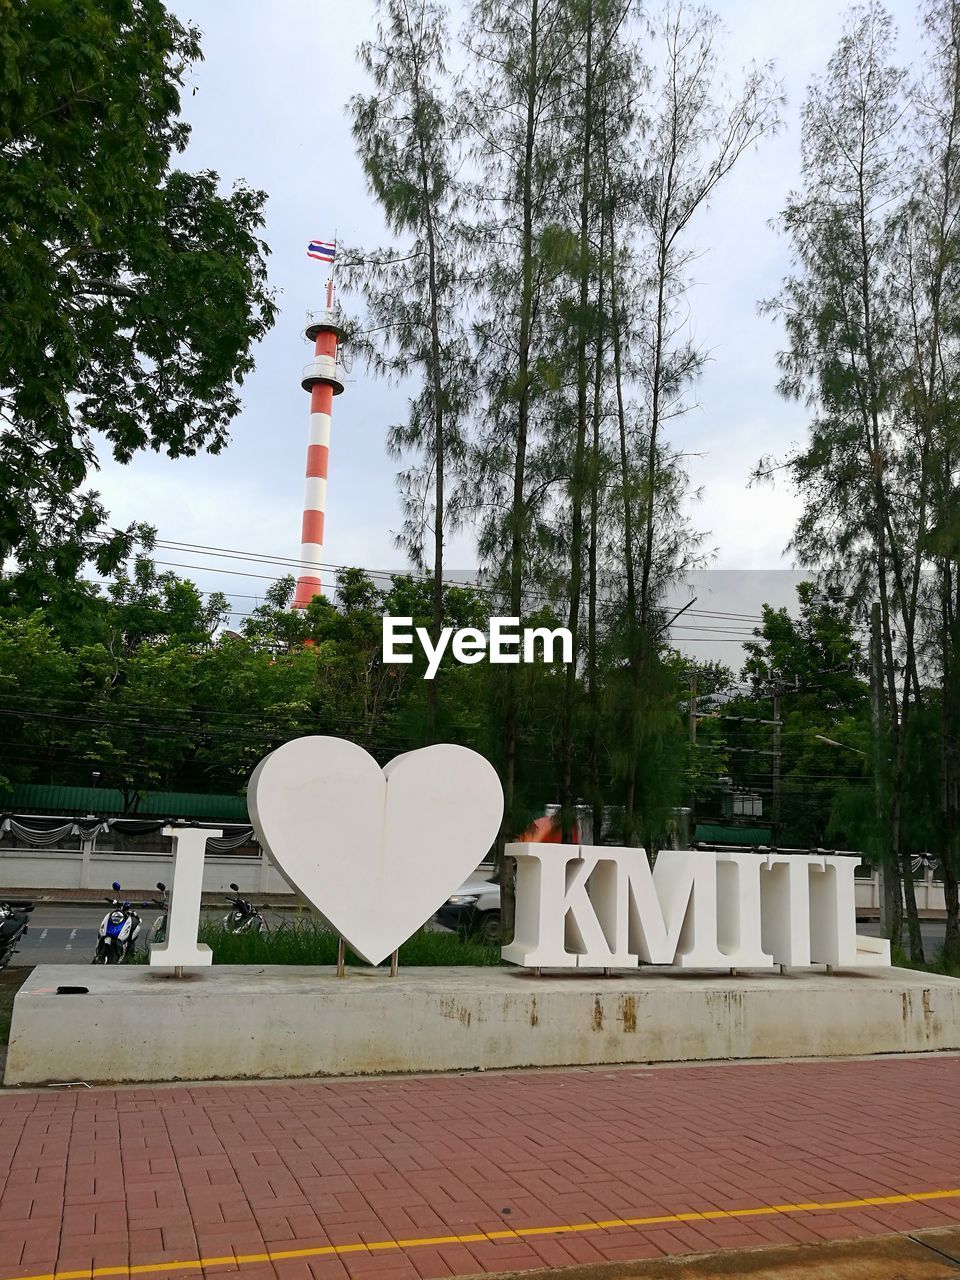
<point>375,851</point>
<point>180,947</point>
<point>579,906</point>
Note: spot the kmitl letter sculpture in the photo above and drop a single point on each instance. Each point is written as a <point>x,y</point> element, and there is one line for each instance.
<point>377,851</point>
<point>604,907</point>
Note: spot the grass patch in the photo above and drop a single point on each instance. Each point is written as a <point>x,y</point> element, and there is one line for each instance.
<point>309,942</point>
<point>939,964</point>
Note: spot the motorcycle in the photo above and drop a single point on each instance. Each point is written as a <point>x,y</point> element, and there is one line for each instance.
<point>158,930</point>
<point>14,919</point>
<point>243,916</point>
<point>119,930</point>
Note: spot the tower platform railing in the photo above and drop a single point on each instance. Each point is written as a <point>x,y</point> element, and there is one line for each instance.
<point>323,369</point>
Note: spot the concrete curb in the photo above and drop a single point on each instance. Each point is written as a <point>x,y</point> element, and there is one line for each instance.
<point>929,1254</point>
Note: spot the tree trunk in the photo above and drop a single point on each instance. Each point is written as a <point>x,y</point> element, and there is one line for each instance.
<point>891,902</point>
<point>902,855</point>
<point>949,817</point>
<point>567,797</point>
<point>436,356</point>
<point>633,653</point>
<point>518,508</point>
<point>950,772</point>
<point>593,686</point>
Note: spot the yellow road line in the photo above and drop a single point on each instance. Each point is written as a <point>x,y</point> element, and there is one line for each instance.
<point>481,1237</point>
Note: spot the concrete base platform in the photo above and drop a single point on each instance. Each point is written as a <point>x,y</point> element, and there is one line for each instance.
<point>239,1021</point>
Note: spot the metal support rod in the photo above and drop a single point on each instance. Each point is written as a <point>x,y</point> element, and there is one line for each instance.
<point>341,958</point>
<point>178,970</point>
<point>692,709</point>
<point>776,824</point>
<point>394,964</point>
<point>692,730</point>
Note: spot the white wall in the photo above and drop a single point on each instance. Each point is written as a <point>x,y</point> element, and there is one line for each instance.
<point>35,869</point>
<point>62,869</point>
<point>929,892</point>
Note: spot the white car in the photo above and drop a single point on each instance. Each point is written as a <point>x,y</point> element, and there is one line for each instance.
<point>474,910</point>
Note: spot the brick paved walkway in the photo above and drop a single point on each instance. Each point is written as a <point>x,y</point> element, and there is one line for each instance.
<point>373,1178</point>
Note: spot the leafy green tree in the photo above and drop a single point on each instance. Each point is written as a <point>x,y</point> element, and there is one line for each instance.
<point>141,732</point>
<point>131,292</point>
<point>33,666</point>
<point>275,626</point>
<point>816,653</point>
<point>810,669</point>
<point>152,606</point>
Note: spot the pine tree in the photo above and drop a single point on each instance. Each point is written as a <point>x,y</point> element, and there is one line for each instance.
<point>584,18</point>
<point>848,335</point>
<point>693,134</point>
<point>519,55</point>
<point>406,135</point>
<point>930,242</point>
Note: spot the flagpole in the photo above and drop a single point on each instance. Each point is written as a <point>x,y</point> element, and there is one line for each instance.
<point>333,267</point>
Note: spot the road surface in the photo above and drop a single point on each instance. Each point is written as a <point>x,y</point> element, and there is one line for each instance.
<point>67,934</point>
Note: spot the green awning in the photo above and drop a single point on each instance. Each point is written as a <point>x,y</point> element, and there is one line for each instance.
<point>709,834</point>
<point>32,797</point>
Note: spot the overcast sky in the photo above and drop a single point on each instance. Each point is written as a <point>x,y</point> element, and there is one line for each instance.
<point>269,107</point>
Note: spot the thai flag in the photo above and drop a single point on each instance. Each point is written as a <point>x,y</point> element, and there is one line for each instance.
<point>323,250</point>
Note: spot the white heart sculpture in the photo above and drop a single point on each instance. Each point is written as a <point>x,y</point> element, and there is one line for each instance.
<point>375,851</point>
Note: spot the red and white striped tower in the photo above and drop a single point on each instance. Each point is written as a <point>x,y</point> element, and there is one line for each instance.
<point>322,379</point>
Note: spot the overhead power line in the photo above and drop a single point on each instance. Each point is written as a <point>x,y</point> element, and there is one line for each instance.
<point>292,562</point>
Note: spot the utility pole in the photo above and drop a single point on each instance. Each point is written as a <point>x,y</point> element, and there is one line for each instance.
<point>891,911</point>
<point>692,729</point>
<point>776,766</point>
<point>692,715</point>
